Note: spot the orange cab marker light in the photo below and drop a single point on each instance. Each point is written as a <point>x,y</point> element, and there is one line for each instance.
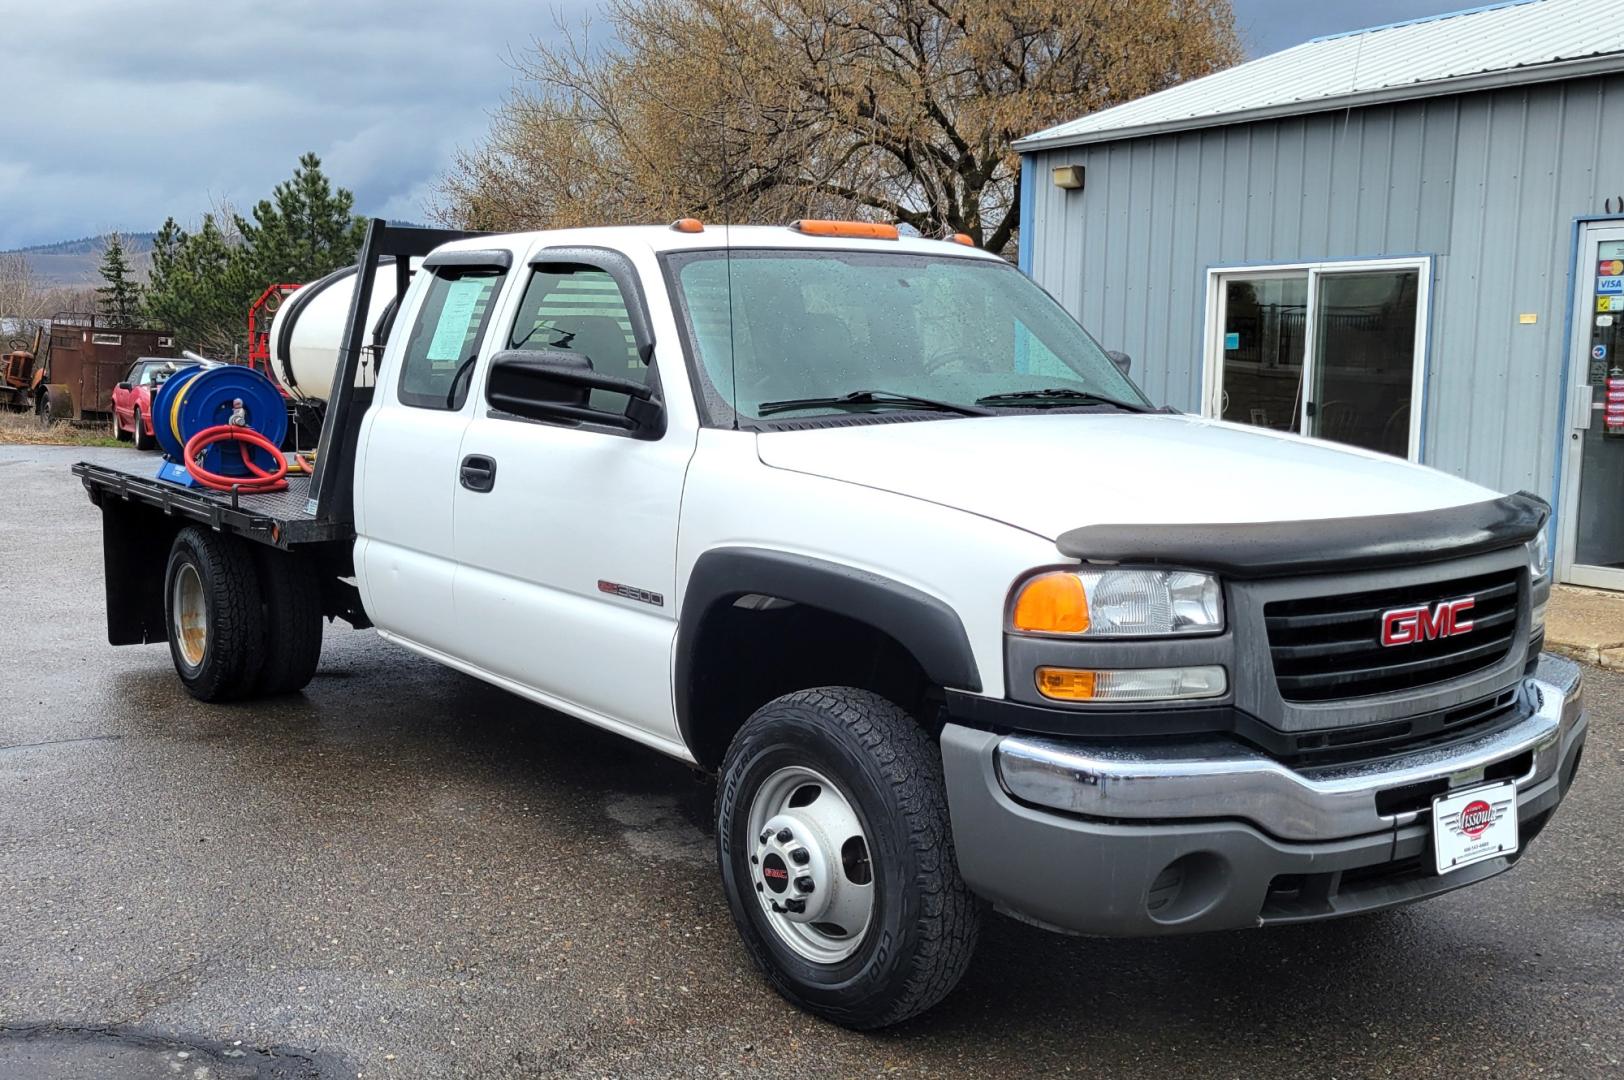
<point>1052,604</point>
<point>963,238</point>
<point>866,230</point>
<point>688,224</point>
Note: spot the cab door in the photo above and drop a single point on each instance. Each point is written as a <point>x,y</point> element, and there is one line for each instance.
<point>410,454</point>
<point>567,540</point>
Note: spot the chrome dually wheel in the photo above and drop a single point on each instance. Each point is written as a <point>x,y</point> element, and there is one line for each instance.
<point>811,864</point>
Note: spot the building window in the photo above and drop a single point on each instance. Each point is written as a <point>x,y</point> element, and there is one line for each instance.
<point>1333,350</point>
<point>107,339</point>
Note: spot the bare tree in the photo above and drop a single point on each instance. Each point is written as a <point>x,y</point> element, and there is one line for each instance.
<point>768,109</point>
<point>21,296</point>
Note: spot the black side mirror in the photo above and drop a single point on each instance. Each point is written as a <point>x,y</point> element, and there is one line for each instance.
<point>123,386</point>
<point>554,384</point>
<point>1121,359</point>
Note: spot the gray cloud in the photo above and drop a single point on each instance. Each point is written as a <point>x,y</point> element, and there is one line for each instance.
<point>118,113</point>
<point>130,112</point>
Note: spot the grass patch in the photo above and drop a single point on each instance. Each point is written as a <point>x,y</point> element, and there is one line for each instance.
<point>23,429</point>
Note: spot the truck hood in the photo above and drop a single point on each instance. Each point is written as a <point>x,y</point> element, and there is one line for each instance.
<point>1049,473</point>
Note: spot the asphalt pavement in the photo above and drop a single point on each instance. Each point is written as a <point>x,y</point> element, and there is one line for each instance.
<point>402,872</point>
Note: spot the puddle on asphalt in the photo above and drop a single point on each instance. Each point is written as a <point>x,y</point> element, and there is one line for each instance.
<point>37,1052</point>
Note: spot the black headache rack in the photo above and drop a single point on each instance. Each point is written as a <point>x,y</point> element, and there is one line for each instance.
<point>315,509</point>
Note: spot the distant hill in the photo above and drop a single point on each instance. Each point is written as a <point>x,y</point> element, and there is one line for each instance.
<point>135,242</point>
<point>78,262</point>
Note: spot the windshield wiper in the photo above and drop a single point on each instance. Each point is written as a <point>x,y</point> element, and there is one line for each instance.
<point>1059,395</point>
<point>870,397</point>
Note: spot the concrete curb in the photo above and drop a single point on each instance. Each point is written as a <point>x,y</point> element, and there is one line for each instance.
<point>1587,625</point>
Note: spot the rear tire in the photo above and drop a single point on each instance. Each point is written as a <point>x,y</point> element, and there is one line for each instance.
<point>212,613</point>
<point>143,441</point>
<point>291,592</point>
<point>923,922</point>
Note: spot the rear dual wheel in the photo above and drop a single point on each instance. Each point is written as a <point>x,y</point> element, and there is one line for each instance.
<point>242,622</point>
<point>837,857</point>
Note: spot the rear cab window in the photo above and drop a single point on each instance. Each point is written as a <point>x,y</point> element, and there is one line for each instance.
<point>446,336</point>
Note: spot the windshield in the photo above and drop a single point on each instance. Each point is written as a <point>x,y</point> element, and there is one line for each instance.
<point>815,324</point>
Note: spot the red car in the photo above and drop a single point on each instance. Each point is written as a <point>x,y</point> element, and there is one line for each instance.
<point>132,401</point>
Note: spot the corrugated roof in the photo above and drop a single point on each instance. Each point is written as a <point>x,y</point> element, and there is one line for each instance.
<point>1498,45</point>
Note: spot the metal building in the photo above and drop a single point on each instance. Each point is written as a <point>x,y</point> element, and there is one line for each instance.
<point>1409,238</point>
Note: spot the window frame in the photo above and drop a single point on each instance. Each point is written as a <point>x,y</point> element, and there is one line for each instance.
<point>405,396</point>
<point>1212,352</point>
<point>623,273</point>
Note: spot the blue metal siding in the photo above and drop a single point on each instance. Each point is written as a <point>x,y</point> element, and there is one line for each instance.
<point>1487,183</point>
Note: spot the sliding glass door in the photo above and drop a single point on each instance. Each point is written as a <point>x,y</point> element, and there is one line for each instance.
<point>1332,350</point>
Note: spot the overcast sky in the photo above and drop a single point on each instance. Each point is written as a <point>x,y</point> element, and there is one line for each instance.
<point>118,113</point>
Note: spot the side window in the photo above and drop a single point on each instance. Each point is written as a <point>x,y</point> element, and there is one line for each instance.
<point>580,309</point>
<point>445,339</point>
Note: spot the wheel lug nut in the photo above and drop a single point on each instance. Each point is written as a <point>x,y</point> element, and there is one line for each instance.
<point>755,858</point>
<point>760,887</point>
<point>766,835</point>
<point>785,836</point>
<point>799,856</point>
<point>795,907</point>
<point>805,884</point>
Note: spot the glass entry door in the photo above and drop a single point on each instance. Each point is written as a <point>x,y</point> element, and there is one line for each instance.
<point>1331,350</point>
<point>1593,545</point>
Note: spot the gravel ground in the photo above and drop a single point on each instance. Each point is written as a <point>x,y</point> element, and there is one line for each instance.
<point>405,873</point>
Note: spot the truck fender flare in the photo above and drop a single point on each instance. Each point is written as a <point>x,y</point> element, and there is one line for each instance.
<point>923,624</point>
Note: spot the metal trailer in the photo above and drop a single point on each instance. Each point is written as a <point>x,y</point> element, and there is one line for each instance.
<point>301,539</point>
<point>87,357</point>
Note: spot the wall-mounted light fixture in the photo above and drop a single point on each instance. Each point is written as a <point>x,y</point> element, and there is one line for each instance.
<point>1069,177</point>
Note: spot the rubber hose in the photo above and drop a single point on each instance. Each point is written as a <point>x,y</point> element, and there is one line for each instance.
<point>261,481</point>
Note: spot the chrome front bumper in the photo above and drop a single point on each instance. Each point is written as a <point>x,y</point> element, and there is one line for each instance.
<point>1220,779</point>
<point>1193,836</point>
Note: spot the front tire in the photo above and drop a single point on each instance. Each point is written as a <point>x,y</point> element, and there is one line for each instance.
<point>143,441</point>
<point>119,434</point>
<point>212,612</point>
<point>832,799</point>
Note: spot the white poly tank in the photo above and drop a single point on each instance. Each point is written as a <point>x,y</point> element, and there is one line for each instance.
<point>309,329</point>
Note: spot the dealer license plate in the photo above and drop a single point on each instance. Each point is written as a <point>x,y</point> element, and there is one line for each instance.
<point>1470,826</point>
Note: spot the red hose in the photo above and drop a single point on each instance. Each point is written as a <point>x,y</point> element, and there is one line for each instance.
<point>261,481</point>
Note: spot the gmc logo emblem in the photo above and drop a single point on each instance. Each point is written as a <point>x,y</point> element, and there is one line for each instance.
<point>1406,626</point>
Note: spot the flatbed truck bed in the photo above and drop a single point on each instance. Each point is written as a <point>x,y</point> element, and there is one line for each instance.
<point>283,519</point>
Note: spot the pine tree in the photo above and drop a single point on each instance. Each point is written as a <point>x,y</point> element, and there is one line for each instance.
<point>304,230</point>
<point>202,283</point>
<point>120,298</point>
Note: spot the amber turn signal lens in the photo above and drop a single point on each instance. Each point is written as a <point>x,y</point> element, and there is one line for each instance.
<point>1052,604</point>
<point>963,238</point>
<point>688,224</point>
<point>866,230</point>
<point>1065,684</point>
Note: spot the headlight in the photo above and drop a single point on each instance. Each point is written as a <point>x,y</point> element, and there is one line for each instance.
<point>1119,603</point>
<point>1539,555</point>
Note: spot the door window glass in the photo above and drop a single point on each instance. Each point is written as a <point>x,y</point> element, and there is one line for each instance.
<point>1364,359</point>
<point>580,309</point>
<point>445,339</point>
<point>1263,333</point>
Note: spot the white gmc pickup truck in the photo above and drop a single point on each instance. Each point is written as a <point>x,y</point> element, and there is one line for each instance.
<point>871,529</point>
